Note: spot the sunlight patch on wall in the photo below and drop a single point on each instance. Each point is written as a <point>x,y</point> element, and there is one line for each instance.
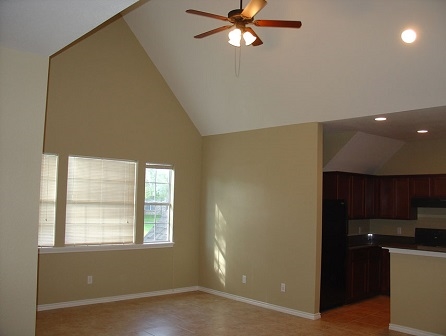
<point>220,246</point>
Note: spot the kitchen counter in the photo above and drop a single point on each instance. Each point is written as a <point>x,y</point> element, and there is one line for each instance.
<point>416,282</point>
<point>417,288</point>
<point>395,242</point>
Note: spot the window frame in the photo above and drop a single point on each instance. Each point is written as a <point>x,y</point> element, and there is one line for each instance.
<point>138,241</point>
<point>169,203</point>
<point>50,200</point>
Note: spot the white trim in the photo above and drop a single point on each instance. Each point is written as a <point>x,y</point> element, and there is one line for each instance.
<point>423,253</point>
<point>263,304</point>
<point>411,331</point>
<point>95,248</point>
<point>77,303</point>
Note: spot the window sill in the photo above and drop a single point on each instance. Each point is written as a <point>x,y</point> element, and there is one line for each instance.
<point>101,248</point>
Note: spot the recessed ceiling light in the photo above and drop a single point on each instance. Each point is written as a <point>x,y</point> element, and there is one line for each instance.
<point>380,118</point>
<point>409,36</point>
<point>422,131</point>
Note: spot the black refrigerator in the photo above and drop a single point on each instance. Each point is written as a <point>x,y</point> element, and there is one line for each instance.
<point>334,254</point>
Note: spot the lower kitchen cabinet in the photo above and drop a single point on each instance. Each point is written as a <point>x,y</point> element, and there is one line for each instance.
<point>364,273</point>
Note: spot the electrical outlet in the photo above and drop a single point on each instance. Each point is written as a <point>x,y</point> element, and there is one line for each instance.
<point>398,230</point>
<point>359,230</point>
<point>89,279</point>
<point>282,287</point>
<point>244,279</point>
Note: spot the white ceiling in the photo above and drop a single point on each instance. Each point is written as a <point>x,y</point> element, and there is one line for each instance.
<point>46,26</point>
<point>347,60</point>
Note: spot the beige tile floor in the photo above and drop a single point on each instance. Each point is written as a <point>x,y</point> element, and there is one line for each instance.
<point>200,314</point>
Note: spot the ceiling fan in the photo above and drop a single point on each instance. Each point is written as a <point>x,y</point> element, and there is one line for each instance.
<point>240,19</point>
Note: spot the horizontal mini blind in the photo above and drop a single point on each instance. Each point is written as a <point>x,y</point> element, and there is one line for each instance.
<point>48,194</point>
<point>100,201</point>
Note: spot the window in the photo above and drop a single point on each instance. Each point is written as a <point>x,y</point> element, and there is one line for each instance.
<point>48,193</point>
<point>100,201</point>
<point>158,204</point>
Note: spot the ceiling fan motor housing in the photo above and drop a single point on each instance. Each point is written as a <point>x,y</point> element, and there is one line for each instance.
<point>235,16</point>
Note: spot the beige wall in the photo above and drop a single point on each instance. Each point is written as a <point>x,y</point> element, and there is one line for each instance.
<point>262,215</point>
<point>334,142</point>
<point>107,99</point>
<point>417,157</point>
<point>23,84</point>
<point>418,292</point>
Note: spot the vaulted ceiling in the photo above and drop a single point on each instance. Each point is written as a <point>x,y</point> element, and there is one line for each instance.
<point>347,61</point>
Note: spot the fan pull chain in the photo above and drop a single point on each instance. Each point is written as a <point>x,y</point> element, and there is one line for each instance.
<point>237,60</point>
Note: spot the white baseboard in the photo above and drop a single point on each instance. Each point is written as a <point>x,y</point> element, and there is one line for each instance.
<point>411,331</point>
<point>77,303</point>
<point>262,304</point>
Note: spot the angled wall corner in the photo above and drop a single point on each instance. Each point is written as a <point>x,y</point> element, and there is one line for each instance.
<point>363,153</point>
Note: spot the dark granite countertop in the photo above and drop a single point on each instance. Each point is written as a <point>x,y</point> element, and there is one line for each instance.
<point>402,242</point>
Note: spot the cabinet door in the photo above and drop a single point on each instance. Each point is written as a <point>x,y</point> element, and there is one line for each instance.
<point>386,196</point>
<point>370,197</point>
<point>402,208</point>
<point>438,185</point>
<point>357,197</point>
<point>336,185</point>
<point>344,180</point>
<point>374,271</point>
<point>330,185</point>
<point>357,273</point>
<point>420,186</point>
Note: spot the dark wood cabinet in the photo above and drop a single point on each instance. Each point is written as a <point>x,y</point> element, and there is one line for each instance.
<point>420,186</point>
<point>370,197</point>
<point>403,208</point>
<point>355,189</point>
<point>357,273</point>
<point>386,196</point>
<point>357,197</point>
<point>336,185</point>
<point>394,198</point>
<point>383,197</point>
<point>427,186</point>
<point>363,273</point>
<point>438,184</point>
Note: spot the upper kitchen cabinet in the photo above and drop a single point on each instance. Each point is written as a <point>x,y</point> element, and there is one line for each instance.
<point>336,185</point>
<point>438,183</point>
<point>394,198</point>
<point>386,196</point>
<point>357,190</point>
<point>357,196</point>
<point>428,186</point>
<point>403,208</point>
<point>420,186</point>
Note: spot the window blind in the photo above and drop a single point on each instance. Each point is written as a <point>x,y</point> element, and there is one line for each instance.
<point>48,194</point>
<point>100,201</point>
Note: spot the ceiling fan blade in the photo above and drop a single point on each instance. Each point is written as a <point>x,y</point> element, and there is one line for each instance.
<point>210,15</point>
<point>258,41</point>
<point>213,31</point>
<point>277,23</point>
<point>253,7</point>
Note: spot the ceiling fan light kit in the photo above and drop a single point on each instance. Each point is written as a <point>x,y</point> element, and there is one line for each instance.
<point>240,19</point>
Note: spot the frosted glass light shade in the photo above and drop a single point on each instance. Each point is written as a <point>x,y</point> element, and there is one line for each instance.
<point>235,37</point>
<point>249,38</point>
